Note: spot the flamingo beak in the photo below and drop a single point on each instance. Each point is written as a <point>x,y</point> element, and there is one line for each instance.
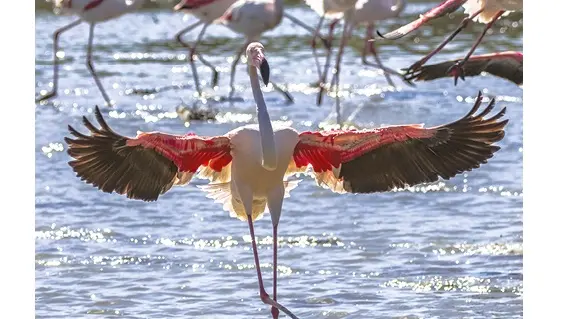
<point>265,71</point>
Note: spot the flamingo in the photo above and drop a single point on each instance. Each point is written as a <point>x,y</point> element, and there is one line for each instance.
<point>91,12</point>
<point>249,167</point>
<point>483,11</point>
<point>508,65</point>
<point>207,11</point>
<point>252,18</point>
<point>365,12</point>
<point>332,9</point>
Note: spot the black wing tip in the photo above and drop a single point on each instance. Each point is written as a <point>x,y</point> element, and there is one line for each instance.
<point>393,35</point>
<point>74,132</point>
<point>68,140</point>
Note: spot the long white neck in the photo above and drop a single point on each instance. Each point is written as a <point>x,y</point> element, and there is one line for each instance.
<point>269,158</point>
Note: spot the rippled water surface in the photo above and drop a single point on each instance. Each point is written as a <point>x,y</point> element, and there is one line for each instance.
<point>448,250</point>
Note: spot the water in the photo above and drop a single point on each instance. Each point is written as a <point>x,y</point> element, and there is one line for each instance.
<point>451,250</point>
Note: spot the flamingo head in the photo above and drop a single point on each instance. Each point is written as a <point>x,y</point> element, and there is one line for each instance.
<point>256,58</point>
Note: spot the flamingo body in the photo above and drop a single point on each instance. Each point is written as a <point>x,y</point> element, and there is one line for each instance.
<point>490,8</point>
<point>370,11</point>
<point>246,152</point>
<point>206,11</point>
<point>253,17</point>
<point>92,11</point>
<point>333,9</point>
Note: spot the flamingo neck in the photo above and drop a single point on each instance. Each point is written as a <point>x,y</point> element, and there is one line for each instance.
<point>269,159</point>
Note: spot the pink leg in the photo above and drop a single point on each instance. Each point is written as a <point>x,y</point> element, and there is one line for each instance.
<point>263,294</point>
<point>56,60</point>
<point>369,46</point>
<point>457,68</point>
<point>347,31</point>
<point>193,52</point>
<point>90,66</point>
<point>323,77</point>
<point>463,24</point>
<point>275,311</point>
<point>314,45</point>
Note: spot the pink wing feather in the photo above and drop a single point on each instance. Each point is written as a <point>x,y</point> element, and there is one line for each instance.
<point>146,166</point>
<point>385,158</point>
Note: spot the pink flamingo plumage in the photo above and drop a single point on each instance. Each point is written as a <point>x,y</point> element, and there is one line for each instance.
<point>249,167</point>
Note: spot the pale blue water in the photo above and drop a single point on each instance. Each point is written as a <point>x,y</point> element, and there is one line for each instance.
<point>450,251</point>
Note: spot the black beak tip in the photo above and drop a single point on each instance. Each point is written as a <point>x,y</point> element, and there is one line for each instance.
<point>265,72</point>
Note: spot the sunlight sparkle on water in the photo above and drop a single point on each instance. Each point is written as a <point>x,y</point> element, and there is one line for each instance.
<point>52,147</point>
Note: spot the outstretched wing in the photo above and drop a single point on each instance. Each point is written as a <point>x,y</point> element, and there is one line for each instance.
<point>143,167</point>
<point>506,67</point>
<point>379,160</point>
<point>441,10</point>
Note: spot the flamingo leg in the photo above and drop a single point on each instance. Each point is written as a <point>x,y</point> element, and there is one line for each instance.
<point>56,35</point>
<point>275,202</point>
<point>323,78</point>
<point>314,47</point>
<point>426,58</point>
<point>275,311</point>
<point>233,67</point>
<point>192,51</point>
<point>369,47</point>
<point>285,93</point>
<point>315,32</point>
<point>90,65</point>
<point>372,48</point>
<point>457,68</point>
<point>346,34</point>
<point>263,294</point>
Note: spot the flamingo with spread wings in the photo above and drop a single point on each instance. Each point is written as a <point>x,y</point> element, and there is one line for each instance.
<point>249,167</point>
<point>508,65</point>
<point>483,11</point>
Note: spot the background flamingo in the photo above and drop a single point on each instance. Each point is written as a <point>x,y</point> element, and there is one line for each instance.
<point>252,18</point>
<point>207,11</point>
<point>366,12</point>
<point>483,11</point>
<point>91,12</point>
<point>508,65</point>
<point>330,9</point>
<point>249,167</point>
